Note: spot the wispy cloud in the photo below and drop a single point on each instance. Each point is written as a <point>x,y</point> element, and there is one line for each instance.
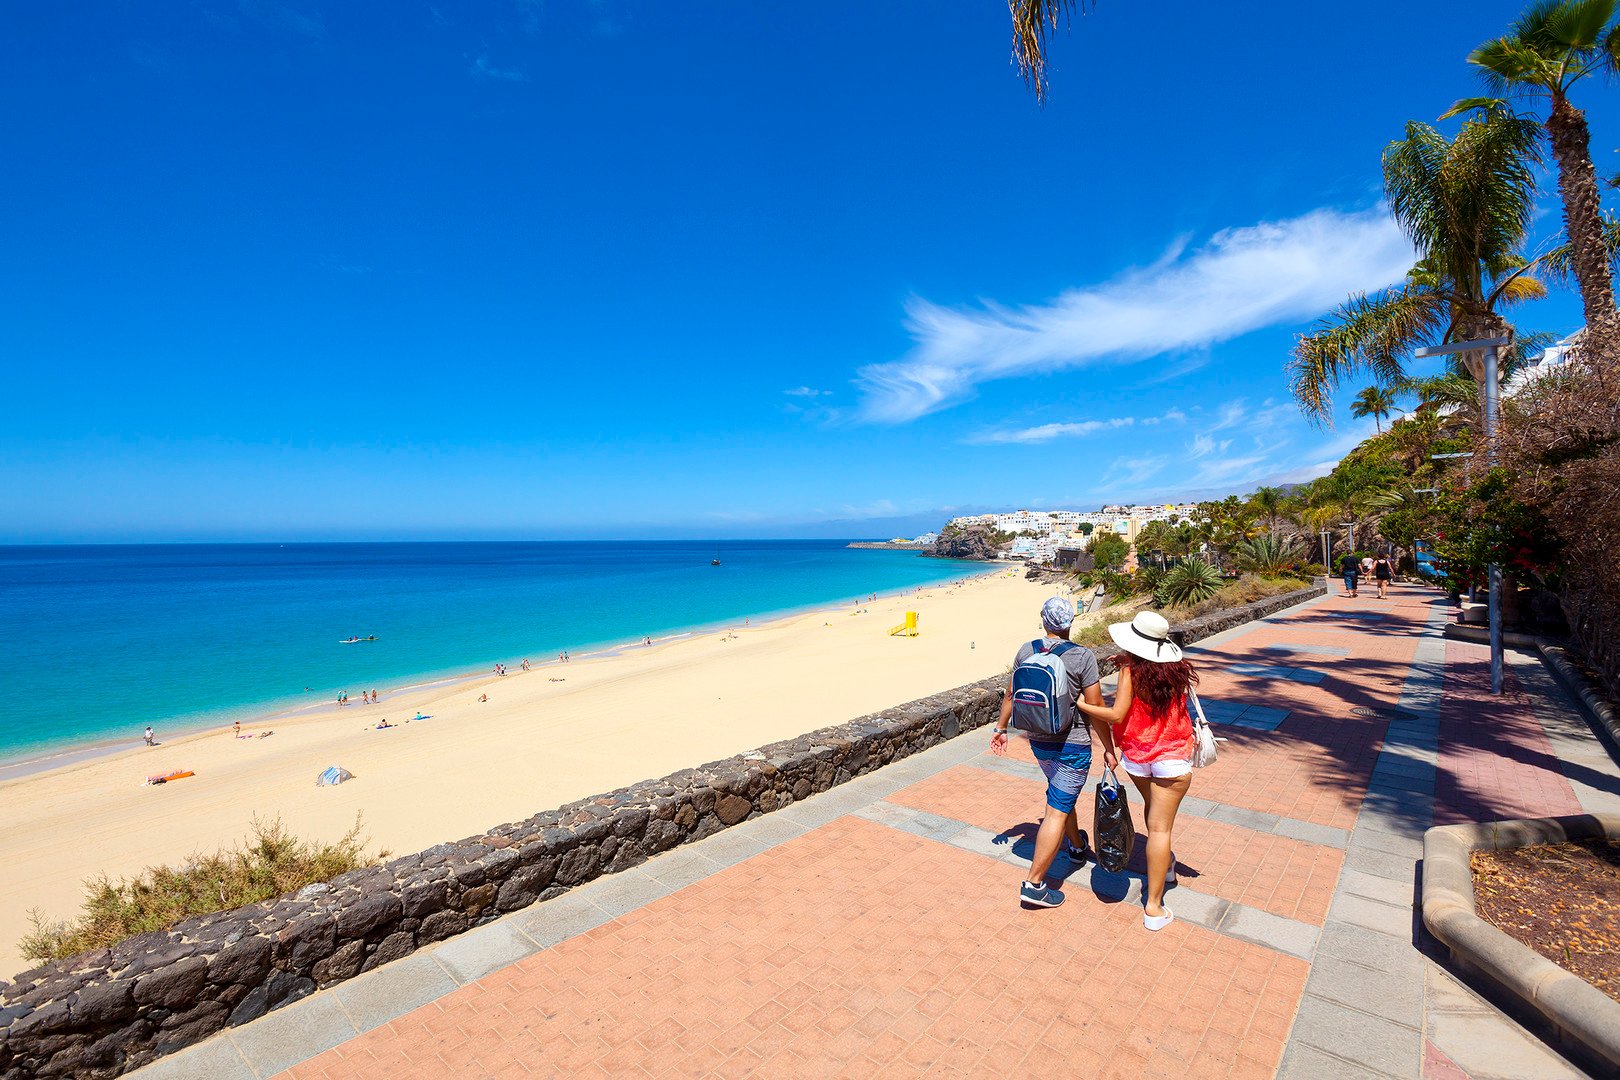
<point>1047,432</point>
<point>1204,445</point>
<point>482,68</point>
<point>1040,433</point>
<point>1241,280</point>
<point>807,392</point>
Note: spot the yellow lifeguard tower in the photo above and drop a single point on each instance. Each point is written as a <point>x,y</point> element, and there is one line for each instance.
<point>907,628</point>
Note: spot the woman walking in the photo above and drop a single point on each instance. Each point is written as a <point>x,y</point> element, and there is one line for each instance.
<point>1382,572</point>
<point>1155,737</point>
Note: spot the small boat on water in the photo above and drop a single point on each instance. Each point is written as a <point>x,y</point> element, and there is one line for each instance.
<point>354,640</point>
<point>714,562</point>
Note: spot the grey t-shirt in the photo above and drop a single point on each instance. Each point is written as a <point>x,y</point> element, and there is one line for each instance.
<point>1081,663</point>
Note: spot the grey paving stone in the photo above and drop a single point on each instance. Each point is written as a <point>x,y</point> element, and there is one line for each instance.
<point>215,1058</point>
<point>1389,843</point>
<point>1010,766</point>
<point>1320,650</point>
<point>1488,1047</point>
<point>1369,1041</point>
<point>983,842</point>
<point>681,867</point>
<point>1371,915</point>
<point>1273,931</point>
<point>468,956</point>
<point>816,812</point>
<point>916,822</point>
<point>1371,949</point>
<point>281,1039</point>
<point>1312,833</point>
<point>888,780</point>
<point>1196,907</point>
<point>625,891</point>
<point>774,829</point>
<point>1197,807</point>
<point>558,920</point>
<point>1301,1062</point>
<point>729,848</point>
<point>1248,819</point>
<point>391,991</point>
<point>1373,887</point>
<point>1372,991</point>
<point>1388,782</point>
<point>1381,863</point>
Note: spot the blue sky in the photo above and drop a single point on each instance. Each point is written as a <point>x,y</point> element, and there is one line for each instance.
<point>281,270</point>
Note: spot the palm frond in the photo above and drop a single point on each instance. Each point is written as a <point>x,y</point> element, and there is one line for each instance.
<point>1558,265</point>
<point>1466,201</point>
<point>1032,22</point>
<point>1366,334</point>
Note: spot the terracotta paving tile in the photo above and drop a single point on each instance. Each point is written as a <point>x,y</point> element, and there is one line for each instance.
<point>1502,769</point>
<point>1225,860</point>
<point>858,950</point>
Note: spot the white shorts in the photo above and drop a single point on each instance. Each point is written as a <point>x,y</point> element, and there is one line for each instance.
<point>1164,768</point>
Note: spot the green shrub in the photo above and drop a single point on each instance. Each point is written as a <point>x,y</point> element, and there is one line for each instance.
<point>1267,554</point>
<point>1188,583</point>
<point>270,863</point>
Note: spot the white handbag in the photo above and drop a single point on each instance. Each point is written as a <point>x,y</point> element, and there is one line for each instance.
<point>1203,753</point>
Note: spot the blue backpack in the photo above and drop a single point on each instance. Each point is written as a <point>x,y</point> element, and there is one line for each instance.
<point>1041,701</point>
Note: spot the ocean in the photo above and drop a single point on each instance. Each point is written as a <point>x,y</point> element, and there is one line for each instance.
<point>98,641</point>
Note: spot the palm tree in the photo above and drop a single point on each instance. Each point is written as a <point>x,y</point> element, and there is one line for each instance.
<point>1376,402</point>
<point>1268,502</point>
<point>1466,203</point>
<point>1552,46</point>
<point>1032,20</point>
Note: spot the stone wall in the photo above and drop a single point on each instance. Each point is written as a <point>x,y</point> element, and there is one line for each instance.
<point>110,1010</point>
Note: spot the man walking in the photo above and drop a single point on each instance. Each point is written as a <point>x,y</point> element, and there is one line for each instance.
<point>1350,567</point>
<point>1064,757</point>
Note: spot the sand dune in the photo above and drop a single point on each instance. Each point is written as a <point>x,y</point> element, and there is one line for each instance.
<point>536,743</point>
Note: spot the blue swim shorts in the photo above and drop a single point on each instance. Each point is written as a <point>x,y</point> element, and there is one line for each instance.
<point>1065,767</point>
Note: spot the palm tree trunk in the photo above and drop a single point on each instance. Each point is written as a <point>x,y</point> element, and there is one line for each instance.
<point>1577,185</point>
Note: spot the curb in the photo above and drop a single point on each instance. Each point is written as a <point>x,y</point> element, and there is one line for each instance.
<point>1579,1011</point>
<point>1557,658</point>
<point>1481,635</point>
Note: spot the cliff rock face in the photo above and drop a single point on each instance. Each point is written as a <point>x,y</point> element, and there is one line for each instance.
<point>973,542</point>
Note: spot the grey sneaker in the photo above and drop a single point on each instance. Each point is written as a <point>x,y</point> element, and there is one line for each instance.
<point>1038,895</point>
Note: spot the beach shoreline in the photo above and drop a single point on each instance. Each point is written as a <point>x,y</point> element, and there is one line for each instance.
<point>190,726</point>
<point>495,749</point>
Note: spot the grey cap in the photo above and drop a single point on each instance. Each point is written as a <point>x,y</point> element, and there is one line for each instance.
<point>1057,614</point>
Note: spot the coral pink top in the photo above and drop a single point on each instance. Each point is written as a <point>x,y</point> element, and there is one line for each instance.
<point>1144,736</point>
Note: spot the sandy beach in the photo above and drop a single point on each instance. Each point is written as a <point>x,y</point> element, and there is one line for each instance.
<point>543,737</point>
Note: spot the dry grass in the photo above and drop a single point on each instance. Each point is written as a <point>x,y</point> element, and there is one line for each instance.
<point>269,863</point>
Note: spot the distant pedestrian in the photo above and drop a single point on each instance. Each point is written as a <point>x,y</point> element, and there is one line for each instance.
<point>151,739</point>
<point>1382,573</point>
<point>1064,758</point>
<point>1155,741</point>
<point>236,729</point>
<point>1350,568</point>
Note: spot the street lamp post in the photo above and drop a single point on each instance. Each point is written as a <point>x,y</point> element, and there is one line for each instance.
<point>1492,392</point>
<point>1326,551</point>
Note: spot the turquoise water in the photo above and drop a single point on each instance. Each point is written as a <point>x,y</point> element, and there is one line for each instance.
<point>97,642</point>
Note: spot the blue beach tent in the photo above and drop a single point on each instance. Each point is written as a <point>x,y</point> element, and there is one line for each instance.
<point>334,776</point>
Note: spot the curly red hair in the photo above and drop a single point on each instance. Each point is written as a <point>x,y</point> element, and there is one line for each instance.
<point>1159,685</point>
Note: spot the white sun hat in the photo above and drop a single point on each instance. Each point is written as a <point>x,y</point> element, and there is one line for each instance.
<point>1147,636</point>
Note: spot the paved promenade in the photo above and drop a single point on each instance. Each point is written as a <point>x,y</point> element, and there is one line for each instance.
<point>875,930</point>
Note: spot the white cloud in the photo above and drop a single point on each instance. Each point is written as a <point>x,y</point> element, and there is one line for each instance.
<point>807,392</point>
<point>1048,432</point>
<point>1203,445</point>
<point>1241,280</point>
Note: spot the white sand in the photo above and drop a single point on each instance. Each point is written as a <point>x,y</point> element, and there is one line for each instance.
<point>535,744</point>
